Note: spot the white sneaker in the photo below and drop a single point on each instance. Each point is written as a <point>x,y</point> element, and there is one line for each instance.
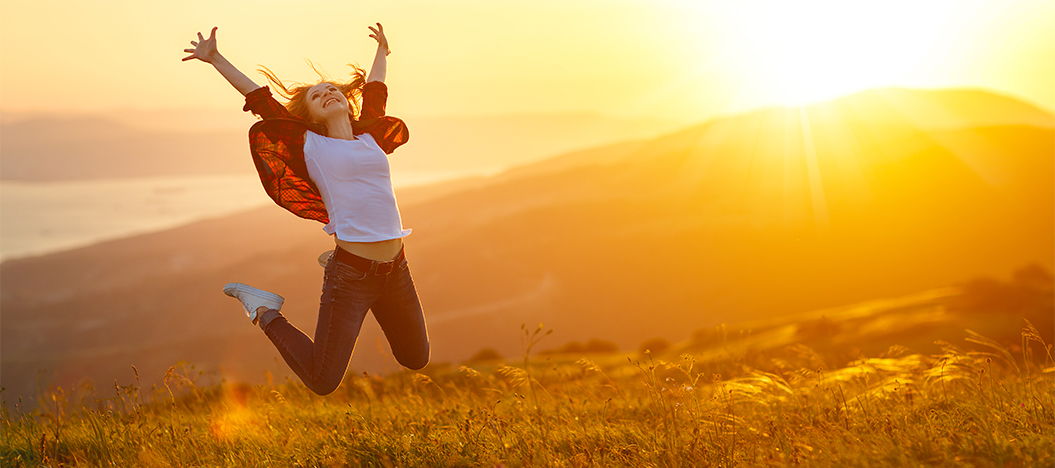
<point>253,298</point>
<point>325,258</point>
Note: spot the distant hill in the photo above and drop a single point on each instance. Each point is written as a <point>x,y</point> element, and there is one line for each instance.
<point>935,109</point>
<point>773,211</point>
<point>137,144</point>
<point>91,147</point>
<point>757,215</point>
<point>114,144</point>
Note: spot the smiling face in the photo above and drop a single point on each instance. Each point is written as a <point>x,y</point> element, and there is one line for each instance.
<point>325,101</point>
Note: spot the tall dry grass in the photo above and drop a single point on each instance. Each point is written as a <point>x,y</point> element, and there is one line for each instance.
<point>983,407</point>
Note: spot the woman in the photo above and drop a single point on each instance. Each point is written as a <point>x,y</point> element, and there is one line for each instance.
<point>321,161</point>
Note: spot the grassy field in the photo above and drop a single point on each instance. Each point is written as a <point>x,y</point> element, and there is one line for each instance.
<point>877,384</point>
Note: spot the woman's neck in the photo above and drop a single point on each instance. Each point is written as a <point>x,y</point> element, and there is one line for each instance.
<point>340,127</point>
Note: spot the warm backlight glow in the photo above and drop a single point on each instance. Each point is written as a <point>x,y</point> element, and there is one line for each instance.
<point>807,51</point>
<point>686,60</point>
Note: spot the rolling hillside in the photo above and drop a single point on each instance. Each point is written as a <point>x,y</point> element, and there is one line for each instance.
<point>774,212</point>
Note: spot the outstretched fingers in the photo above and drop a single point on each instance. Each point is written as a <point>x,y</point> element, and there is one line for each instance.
<point>203,49</point>
<point>378,34</point>
<point>190,51</point>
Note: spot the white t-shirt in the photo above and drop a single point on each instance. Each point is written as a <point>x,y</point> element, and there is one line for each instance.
<point>355,181</point>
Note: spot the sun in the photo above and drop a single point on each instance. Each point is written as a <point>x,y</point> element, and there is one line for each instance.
<point>810,50</point>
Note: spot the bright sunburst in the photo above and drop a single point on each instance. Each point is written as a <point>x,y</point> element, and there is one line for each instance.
<point>805,51</point>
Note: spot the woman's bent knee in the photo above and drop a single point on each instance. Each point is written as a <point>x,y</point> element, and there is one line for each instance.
<point>416,365</point>
<point>324,387</point>
<point>414,362</point>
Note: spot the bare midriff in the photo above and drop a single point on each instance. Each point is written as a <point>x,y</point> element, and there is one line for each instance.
<point>379,251</point>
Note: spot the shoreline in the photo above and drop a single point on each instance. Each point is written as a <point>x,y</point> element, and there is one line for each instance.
<point>40,218</point>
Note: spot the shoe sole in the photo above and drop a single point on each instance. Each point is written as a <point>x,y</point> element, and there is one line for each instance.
<point>231,288</point>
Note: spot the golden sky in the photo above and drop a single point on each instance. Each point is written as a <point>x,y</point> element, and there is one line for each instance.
<point>678,59</point>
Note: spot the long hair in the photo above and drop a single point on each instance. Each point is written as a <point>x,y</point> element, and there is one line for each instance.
<point>297,93</point>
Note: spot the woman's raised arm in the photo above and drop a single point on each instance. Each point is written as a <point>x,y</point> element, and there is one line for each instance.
<point>378,69</point>
<point>205,50</point>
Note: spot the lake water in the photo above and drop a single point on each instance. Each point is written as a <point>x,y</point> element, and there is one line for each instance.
<point>44,217</point>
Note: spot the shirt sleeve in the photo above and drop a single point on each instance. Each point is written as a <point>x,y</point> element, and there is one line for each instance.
<point>277,147</point>
<point>389,132</point>
<point>375,96</point>
<point>263,104</point>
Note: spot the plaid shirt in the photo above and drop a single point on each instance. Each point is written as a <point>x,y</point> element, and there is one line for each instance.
<point>277,144</point>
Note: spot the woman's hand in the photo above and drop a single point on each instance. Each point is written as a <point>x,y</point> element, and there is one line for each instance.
<point>205,49</point>
<point>379,35</point>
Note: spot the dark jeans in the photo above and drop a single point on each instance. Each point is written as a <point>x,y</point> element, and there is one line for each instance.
<point>347,294</point>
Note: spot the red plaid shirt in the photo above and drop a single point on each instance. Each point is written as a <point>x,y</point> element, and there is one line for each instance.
<point>277,144</point>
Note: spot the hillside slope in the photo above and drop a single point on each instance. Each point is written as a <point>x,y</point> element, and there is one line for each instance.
<point>768,213</point>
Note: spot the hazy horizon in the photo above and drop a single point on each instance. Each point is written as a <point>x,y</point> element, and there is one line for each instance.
<point>226,118</point>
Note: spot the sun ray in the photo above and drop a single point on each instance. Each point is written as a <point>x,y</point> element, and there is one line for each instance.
<point>813,172</point>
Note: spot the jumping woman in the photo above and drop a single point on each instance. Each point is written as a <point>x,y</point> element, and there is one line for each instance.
<point>324,157</point>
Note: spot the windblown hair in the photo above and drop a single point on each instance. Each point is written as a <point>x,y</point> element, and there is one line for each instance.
<point>297,93</point>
